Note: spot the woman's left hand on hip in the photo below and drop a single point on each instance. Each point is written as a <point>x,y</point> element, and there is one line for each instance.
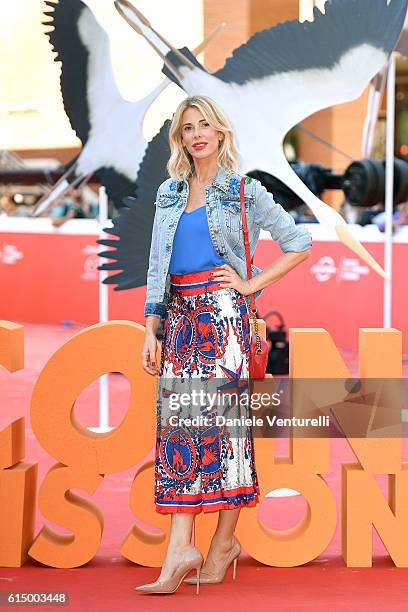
<point>228,278</point>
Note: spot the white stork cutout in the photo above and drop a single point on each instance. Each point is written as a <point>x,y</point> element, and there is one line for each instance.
<point>284,74</point>
<point>108,126</point>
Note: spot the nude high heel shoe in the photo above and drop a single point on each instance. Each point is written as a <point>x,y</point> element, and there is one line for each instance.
<point>188,560</point>
<point>219,575</point>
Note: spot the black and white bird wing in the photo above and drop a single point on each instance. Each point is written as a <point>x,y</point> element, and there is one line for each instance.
<point>295,69</point>
<point>88,85</point>
<point>109,126</point>
<point>132,227</point>
<point>284,74</point>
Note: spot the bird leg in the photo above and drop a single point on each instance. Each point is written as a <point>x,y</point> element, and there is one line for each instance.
<point>206,41</point>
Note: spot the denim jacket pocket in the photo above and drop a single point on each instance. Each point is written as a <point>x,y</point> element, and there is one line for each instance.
<point>230,206</point>
<point>166,205</point>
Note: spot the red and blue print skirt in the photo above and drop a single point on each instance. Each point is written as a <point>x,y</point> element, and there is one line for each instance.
<point>206,466</point>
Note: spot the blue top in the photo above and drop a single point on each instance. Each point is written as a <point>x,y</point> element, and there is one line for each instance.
<point>193,249</point>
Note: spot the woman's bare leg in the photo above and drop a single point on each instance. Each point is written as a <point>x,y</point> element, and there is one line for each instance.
<point>222,540</point>
<point>180,538</point>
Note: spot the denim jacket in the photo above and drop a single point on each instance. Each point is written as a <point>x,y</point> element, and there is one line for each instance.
<point>223,210</point>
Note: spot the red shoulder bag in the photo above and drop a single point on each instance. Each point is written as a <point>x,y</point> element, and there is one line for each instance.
<point>259,349</point>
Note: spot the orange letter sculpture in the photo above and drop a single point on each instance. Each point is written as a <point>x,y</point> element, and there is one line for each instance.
<point>364,506</point>
<point>101,348</point>
<point>83,457</point>
<point>18,480</point>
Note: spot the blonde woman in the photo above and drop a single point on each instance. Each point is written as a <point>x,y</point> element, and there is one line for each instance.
<point>197,282</point>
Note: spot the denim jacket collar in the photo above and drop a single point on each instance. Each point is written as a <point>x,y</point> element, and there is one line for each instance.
<point>221,180</point>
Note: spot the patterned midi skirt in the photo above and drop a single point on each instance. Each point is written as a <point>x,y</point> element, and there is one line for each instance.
<point>206,465</point>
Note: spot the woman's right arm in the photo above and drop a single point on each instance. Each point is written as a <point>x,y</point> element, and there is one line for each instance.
<point>152,305</point>
<point>152,309</point>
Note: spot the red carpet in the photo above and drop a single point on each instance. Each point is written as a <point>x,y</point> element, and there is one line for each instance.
<point>106,582</point>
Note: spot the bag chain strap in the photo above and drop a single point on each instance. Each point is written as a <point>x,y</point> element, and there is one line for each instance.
<point>252,308</point>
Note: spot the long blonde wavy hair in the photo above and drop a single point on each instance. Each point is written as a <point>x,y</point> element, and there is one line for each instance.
<point>180,165</point>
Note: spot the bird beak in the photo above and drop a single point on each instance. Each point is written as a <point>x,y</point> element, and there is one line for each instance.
<point>142,26</point>
<point>131,15</point>
<point>127,10</point>
<point>352,243</point>
<point>59,189</point>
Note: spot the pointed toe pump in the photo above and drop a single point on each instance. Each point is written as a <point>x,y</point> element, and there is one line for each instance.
<point>189,560</point>
<point>219,575</point>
